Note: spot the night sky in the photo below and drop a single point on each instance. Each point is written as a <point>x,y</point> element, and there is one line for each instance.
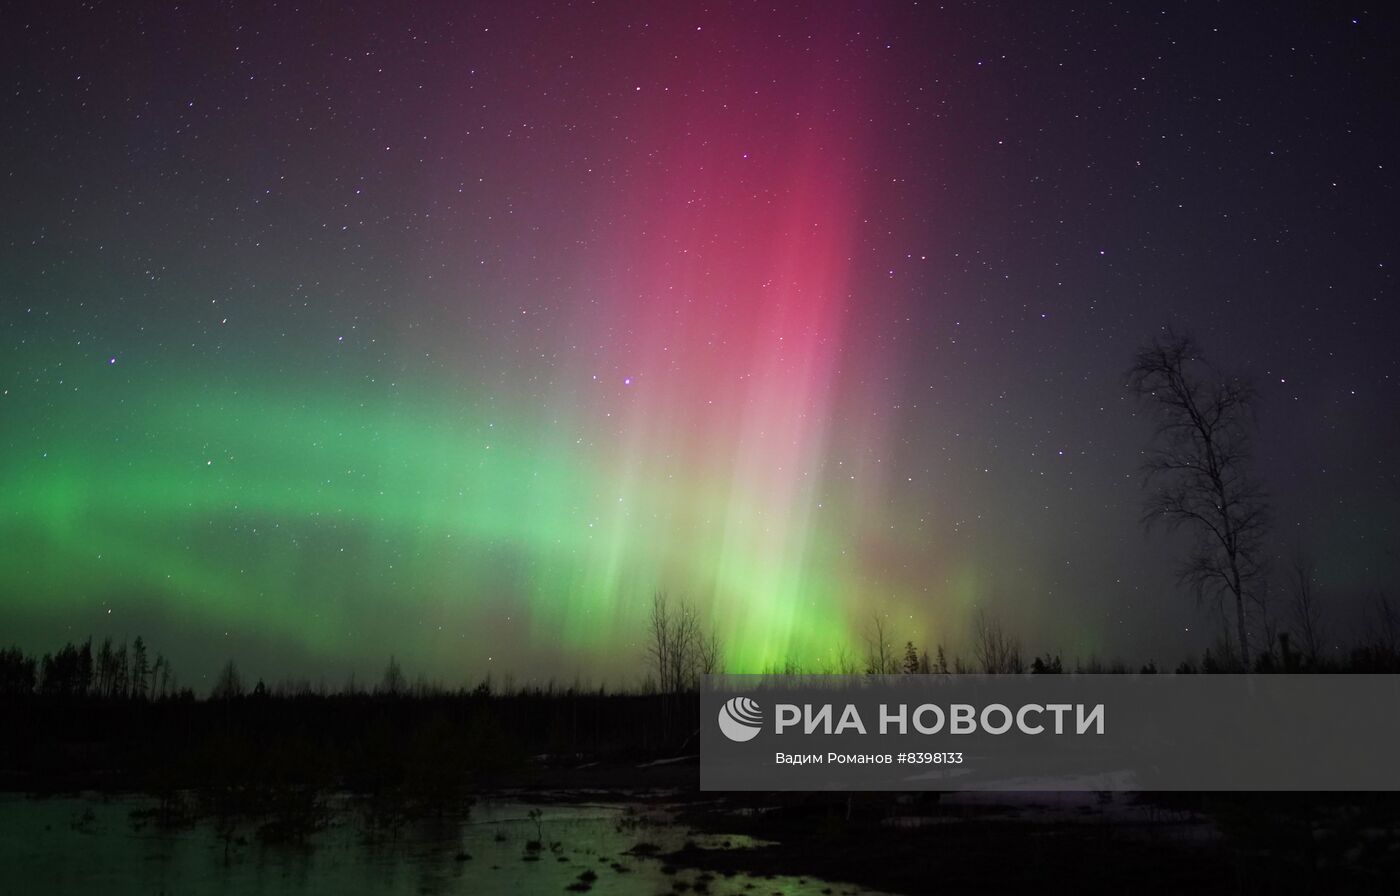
<point>330,331</point>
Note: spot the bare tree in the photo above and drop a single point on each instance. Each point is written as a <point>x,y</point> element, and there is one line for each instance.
<point>997,651</point>
<point>686,647</point>
<point>121,681</point>
<point>1382,621</point>
<point>659,639</point>
<point>1305,605</point>
<point>229,684</point>
<point>675,645</point>
<point>165,678</point>
<point>1199,470</point>
<point>140,669</point>
<point>1263,621</point>
<point>845,662</point>
<point>106,669</point>
<point>879,653</point>
<point>709,655</point>
<point>393,684</point>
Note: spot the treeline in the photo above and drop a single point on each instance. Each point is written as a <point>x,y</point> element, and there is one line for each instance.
<point>996,650</point>
<point>132,673</point>
<point>115,716</point>
<point>422,741</point>
<point>677,654</point>
<point>109,673</point>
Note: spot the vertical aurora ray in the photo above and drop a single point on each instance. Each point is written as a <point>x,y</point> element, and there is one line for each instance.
<point>718,344</point>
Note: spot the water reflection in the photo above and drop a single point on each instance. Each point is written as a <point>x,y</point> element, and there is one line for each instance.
<point>136,845</point>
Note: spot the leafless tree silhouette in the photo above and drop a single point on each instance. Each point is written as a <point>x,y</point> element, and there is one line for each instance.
<point>140,669</point>
<point>1382,621</point>
<point>1305,605</point>
<point>997,651</point>
<point>678,648</point>
<point>229,683</point>
<point>661,643</point>
<point>393,684</point>
<point>709,655</point>
<point>880,658</point>
<point>1198,469</point>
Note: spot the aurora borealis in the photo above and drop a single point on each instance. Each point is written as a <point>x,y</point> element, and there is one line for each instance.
<point>456,331</point>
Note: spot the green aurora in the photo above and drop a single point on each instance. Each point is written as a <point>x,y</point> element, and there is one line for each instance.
<point>305,517</point>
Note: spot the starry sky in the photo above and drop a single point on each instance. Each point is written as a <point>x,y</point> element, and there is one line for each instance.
<point>330,331</point>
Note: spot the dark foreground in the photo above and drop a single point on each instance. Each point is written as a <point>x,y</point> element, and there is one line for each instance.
<point>219,795</point>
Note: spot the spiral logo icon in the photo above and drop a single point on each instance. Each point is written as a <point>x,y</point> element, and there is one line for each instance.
<point>740,719</point>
